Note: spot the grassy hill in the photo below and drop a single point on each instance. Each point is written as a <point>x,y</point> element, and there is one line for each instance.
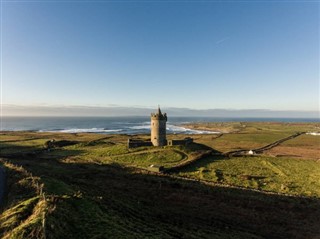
<point>92,186</point>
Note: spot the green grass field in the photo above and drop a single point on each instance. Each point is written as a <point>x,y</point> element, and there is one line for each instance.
<point>253,127</point>
<point>250,135</point>
<point>229,142</point>
<point>95,187</point>
<point>283,175</point>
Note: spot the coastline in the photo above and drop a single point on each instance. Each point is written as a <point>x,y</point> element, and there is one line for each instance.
<point>134,125</point>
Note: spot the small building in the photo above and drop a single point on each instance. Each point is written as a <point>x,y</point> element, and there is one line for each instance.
<point>250,152</point>
<point>156,168</point>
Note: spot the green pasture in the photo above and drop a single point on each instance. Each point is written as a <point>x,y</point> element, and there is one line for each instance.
<point>95,187</point>
<point>283,175</point>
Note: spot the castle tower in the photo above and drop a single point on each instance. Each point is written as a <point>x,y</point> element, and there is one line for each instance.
<point>158,128</point>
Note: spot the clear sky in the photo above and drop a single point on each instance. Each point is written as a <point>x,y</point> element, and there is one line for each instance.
<point>200,55</point>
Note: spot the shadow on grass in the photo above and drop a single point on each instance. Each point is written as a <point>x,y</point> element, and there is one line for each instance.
<point>12,150</point>
<point>112,200</point>
<point>37,155</point>
<point>197,146</point>
<point>7,149</point>
<point>202,162</point>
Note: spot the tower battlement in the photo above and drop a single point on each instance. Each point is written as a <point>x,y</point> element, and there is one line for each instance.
<point>159,115</point>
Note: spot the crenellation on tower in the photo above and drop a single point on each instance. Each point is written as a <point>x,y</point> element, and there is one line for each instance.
<point>159,115</point>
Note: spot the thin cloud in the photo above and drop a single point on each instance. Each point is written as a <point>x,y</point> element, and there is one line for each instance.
<point>222,40</point>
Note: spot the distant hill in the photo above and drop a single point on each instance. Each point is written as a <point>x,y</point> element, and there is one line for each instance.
<point>64,110</point>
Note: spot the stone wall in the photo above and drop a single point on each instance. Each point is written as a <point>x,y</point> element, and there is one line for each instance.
<point>185,141</point>
<point>138,143</point>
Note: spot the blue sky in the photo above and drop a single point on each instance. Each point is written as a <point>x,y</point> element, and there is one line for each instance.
<point>200,55</point>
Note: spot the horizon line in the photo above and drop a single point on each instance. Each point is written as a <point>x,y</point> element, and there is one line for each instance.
<point>152,107</point>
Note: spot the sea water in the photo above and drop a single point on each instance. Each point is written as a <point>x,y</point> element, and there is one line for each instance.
<point>119,125</point>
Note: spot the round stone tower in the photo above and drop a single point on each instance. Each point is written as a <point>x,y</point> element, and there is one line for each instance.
<point>158,128</point>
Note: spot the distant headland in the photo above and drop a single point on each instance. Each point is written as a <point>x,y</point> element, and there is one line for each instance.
<point>115,110</point>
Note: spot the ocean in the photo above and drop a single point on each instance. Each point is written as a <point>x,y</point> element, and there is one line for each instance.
<point>119,125</point>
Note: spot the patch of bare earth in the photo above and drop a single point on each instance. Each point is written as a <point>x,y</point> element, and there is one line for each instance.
<point>295,152</point>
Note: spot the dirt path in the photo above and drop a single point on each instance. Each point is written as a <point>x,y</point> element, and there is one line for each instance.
<point>189,161</point>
